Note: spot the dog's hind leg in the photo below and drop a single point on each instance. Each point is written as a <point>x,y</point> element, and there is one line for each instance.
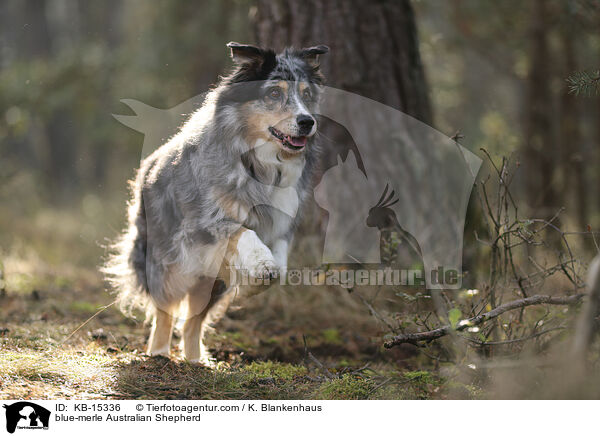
<point>159,343</point>
<point>198,300</point>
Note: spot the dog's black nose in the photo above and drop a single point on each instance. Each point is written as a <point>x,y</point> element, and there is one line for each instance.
<point>305,122</point>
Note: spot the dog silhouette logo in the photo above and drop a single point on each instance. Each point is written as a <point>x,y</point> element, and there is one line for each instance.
<point>26,415</point>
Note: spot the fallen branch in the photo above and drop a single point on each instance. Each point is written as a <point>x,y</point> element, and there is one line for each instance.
<point>431,335</point>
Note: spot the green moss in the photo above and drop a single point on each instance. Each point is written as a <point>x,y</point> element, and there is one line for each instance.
<point>20,283</point>
<point>284,371</point>
<point>423,377</point>
<point>83,307</point>
<point>225,382</point>
<point>346,388</point>
<point>332,336</point>
<point>421,385</point>
<point>63,282</point>
<point>237,339</point>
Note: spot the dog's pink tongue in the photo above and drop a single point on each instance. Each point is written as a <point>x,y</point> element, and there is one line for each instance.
<point>299,141</point>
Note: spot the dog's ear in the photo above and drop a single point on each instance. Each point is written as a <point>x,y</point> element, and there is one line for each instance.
<point>245,53</point>
<point>311,54</point>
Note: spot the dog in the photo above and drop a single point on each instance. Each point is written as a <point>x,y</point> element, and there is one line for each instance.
<point>224,193</point>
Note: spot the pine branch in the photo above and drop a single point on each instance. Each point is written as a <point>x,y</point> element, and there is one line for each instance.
<point>584,83</point>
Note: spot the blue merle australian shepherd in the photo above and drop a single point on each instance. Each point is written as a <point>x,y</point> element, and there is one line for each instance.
<point>223,193</point>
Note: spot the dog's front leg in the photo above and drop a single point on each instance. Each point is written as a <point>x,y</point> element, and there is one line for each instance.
<point>246,252</point>
<point>280,253</point>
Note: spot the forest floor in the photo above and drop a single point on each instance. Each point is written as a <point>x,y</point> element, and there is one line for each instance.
<point>57,342</point>
<point>60,337</point>
<point>48,351</point>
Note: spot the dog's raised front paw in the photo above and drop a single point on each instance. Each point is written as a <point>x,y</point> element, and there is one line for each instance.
<point>255,258</point>
<point>265,269</point>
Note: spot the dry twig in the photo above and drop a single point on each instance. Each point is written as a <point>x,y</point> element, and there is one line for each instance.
<point>428,336</point>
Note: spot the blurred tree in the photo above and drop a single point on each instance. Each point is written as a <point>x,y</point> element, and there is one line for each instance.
<point>35,32</point>
<point>539,148</point>
<point>570,137</point>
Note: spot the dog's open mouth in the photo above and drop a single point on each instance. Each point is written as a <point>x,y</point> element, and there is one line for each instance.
<point>290,143</point>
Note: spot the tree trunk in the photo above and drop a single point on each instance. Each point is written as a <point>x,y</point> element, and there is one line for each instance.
<point>374,47</point>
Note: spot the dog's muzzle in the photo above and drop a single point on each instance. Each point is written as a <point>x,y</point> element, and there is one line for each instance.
<point>292,144</point>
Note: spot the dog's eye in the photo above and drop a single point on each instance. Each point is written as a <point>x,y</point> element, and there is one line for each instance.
<point>274,93</point>
<point>307,95</point>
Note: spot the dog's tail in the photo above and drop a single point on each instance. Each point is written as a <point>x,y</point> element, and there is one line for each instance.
<point>125,266</point>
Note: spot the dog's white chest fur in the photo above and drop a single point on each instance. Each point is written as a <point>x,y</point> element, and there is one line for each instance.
<point>286,200</point>
<point>284,196</point>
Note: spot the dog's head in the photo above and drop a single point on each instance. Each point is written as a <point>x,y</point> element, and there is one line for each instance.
<point>276,96</point>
